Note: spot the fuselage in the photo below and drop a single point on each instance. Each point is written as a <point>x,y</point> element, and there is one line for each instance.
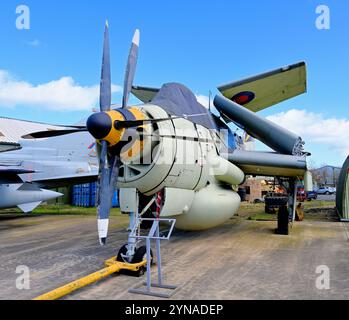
<point>183,159</point>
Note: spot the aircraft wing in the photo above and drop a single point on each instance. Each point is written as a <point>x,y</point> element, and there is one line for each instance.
<point>10,175</point>
<point>68,180</point>
<point>267,89</point>
<point>7,146</point>
<point>13,171</point>
<point>258,163</point>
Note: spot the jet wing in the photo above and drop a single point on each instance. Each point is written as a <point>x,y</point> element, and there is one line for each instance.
<point>14,171</point>
<point>145,94</point>
<point>272,164</point>
<point>7,146</point>
<point>267,89</point>
<point>64,181</point>
<point>9,175</point>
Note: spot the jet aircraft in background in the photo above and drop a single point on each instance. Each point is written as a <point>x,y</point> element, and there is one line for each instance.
<point>30,168</point>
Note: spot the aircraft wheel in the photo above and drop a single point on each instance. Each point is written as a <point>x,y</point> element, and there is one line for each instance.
<point>140,255</point>
<point>122,251</point>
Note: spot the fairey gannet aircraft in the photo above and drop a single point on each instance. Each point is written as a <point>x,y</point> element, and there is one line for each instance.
<point>175,150</point>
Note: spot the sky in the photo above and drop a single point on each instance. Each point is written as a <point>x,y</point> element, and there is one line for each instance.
<point>50,72</point>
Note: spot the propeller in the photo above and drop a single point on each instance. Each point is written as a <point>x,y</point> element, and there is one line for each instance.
<point>103,185</point>
<point>102,125</point>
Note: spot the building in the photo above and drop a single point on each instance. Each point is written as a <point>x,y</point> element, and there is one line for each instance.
<point>326,176</point>
<point>11,130</point>
<point>251,190</point>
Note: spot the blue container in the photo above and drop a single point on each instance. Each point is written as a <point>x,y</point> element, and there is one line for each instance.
<point>115,202</point>
<point>93,200</point>
<point>85,196</point>
<point>93,187</point>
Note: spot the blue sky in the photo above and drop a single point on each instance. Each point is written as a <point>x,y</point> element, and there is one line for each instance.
<point>200,44</point>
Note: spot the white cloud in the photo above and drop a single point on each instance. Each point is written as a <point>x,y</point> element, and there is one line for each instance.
<point>34,43</point>
<point>63,94</point>
<point>315,128</point>
<point>204,100</point>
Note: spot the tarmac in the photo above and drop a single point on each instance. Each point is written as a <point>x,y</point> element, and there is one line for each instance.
<point>241,259</point>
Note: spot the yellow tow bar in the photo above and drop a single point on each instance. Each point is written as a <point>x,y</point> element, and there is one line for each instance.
<point>112,266</point>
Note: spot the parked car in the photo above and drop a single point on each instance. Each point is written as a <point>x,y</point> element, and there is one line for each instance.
<point>311,195</point>
<point>333,190</point>
<point>325,190</point>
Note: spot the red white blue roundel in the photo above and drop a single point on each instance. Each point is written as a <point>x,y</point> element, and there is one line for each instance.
<point>244,97</point>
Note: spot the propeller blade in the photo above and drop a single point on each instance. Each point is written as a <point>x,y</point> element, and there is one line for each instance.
<point>108,174</point>
<point>131,68</point>
<point>103,205</point>
<point>114,174</point>
<point>137,123</point>
<point>51,134</point>
<point>105,85</point>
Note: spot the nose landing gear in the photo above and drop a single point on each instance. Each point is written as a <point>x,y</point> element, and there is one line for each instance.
<point>140,255</point>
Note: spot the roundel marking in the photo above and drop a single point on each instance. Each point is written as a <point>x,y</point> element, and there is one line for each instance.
<point>244,97</point>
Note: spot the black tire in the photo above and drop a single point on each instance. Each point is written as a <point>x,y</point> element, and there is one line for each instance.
<point>122,251</point>
<point>327,193</point>
<point>140,255</point>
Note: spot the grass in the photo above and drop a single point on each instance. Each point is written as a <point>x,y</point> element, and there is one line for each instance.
<point>318,204</point>
<point>70,210</point>
<point>247,209</point>
<point>62,210</point>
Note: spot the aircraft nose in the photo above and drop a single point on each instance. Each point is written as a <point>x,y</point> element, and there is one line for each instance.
<point>99,125</point>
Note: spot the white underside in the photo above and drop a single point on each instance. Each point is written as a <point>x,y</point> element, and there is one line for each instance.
<point>103,225</point>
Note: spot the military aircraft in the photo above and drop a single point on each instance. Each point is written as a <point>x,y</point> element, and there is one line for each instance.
<point>30,168</point>
<point>173,153</point>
